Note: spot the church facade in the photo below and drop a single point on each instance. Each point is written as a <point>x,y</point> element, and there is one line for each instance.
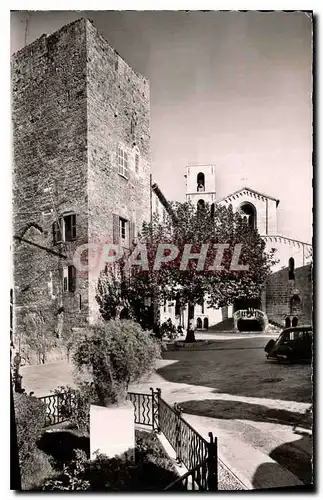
<point>260,210</point>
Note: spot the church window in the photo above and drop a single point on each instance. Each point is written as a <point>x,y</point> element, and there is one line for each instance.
<point>291,269</point>
<point>249,214</point>
<point>200,182</point>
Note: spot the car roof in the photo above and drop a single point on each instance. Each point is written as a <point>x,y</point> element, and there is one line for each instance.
<point>297,328</point>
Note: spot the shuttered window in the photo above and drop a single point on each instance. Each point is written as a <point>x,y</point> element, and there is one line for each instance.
<point>57,233</point>
<point>64,229</point>
<point>70,227</point>
<point>123,232</point>
<point>69,279</point>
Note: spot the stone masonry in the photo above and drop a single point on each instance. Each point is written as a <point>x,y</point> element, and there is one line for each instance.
<point>290,298</point>
<point>74,102</point>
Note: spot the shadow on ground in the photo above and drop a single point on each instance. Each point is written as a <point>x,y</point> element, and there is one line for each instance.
<point>61,445</point>
<point>288,456</point>
<point>230,410</point>
<point>294,456</point>
<point>239,367</point>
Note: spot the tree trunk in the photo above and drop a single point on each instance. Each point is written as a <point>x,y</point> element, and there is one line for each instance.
<point>190,337</point>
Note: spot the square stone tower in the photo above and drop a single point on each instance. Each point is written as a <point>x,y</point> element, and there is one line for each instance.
<point>81,174</point>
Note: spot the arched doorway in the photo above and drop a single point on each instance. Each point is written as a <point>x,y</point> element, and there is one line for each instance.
<point>201,205</point>
<point>199,323</point>
<point>287,322</point>
<point>249,212</point>
<point>249,325</point>
<point>124,314</point>
<point>206,323</point>
<point>295,321</point>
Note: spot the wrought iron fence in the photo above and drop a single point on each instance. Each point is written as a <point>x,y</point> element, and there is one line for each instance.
<point>144,408</point>
<point>190,447</point>
<point>197,454</point>
<point>193,480</point>
<point>58,408</point>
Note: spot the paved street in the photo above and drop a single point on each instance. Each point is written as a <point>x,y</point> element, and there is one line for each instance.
<point>255,407</point>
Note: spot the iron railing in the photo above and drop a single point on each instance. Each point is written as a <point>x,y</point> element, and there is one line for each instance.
<point>194,479</point>
<point>190,447</point>
<point>58,408</point>
<point>145,408</point>
<point>197,454</point>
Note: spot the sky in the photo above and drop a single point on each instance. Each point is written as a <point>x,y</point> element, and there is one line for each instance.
<point>231,89</point>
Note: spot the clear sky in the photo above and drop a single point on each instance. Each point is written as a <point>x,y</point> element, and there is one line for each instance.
<point>228,88</point>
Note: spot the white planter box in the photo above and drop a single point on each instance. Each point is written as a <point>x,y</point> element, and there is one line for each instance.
<point>112,430</point>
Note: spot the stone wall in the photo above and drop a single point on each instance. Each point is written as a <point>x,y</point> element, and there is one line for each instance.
<point>74,100</point>
<point>49,124</point>
<point>279,293</point>
<point>118,115</point>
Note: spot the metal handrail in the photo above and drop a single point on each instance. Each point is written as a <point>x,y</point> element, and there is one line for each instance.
<point>187,475</point>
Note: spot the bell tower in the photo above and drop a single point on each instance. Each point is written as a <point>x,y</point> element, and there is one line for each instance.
<point>200,184</point>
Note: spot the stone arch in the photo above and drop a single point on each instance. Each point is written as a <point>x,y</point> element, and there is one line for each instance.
<point>206,323</point>
<point>287,322</point>
<point>199,323</point>
<point>249,211</point>
<point>31,225</point>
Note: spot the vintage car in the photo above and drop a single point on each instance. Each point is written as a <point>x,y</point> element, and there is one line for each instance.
<point>293,344</point>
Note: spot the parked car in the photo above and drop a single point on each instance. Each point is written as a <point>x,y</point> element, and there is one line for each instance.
<point>293,344</point>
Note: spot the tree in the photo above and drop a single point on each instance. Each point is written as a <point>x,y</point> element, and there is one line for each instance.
<point>193,230</point>
<point>115,354</point>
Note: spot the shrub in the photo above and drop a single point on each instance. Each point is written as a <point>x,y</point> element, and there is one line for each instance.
<point>116,353</point>
<point>30,418</point>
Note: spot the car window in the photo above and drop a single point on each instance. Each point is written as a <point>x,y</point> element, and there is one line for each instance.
<point>298,335</point>
<point>295,335</point>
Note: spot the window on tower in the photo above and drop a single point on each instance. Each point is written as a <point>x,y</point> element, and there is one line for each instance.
<point>200,182</point>
<point>291,269</point>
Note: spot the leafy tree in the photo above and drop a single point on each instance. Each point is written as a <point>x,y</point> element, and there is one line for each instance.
<point>188,228</point>
<point>191,228</point>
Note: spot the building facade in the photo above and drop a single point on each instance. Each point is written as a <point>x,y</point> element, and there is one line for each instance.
<point>261,212</point>
<point>81,174</point>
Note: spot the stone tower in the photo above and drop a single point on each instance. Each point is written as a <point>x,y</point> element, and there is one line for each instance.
<point>81,174</point>
<point>200,184</point>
